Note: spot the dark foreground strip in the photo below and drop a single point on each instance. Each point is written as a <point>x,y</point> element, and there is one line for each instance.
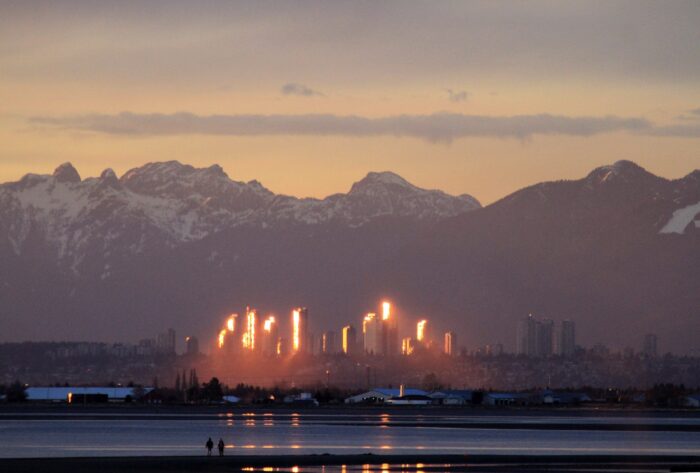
<point>475,463</point>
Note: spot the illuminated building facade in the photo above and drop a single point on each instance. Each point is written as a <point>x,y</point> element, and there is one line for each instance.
<point>270,336</point>
<point>407,346</point>
<point>250,335</point>
<point>389,331</point>
<point>450,347</point>
<point>422,332</point>
<point>300,328</point>
<point>349,340</point>
<point>371,334</point>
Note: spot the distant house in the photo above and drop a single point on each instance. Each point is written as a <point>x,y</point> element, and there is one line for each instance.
<point>301,399</point>
<point>381,395</point>
<point>452,397</point>
<point>231,399</point>
<point>692,400</point>
<point>564,398</point>
<point>410,400</point>
<point>505,399</point>
<point>85,394</point>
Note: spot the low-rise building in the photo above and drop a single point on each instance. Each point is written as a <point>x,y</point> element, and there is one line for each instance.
<point>380,395</point>
<point>452,397</point>
<point>85,394</point>
<point>505,399</point>
<point>692,400</point>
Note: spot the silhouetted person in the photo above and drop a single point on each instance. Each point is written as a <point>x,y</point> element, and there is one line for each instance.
<point>221,446</point>
<point>209,445</point>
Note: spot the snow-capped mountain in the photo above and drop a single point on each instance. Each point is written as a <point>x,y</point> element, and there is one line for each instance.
<point>169,245</point>
<point>170,203</point>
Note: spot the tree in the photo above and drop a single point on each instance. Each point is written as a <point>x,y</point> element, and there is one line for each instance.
<point>431,382</point>
<point>212,391</point>
<point>15,392</point>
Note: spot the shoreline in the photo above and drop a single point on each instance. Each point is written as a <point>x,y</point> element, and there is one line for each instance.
<point>146,464</point>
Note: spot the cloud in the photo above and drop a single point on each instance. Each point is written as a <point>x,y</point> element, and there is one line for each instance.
<point>677,131</point>
<point>292,88</point>
<point>457,96</point>
<point>436,127</point>
<point>695,111</point>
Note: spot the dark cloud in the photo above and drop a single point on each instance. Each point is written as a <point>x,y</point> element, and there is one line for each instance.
<point>457,95</point>
<point>292,88</point>
<point>437,127</point>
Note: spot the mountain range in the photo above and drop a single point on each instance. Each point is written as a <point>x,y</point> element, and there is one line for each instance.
<point>170,245</point>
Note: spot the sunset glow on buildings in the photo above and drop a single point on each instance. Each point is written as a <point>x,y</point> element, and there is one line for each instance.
<point>421,331</point>
<point>380,336</point>
<point>249,335</point>
<point>299,329</point>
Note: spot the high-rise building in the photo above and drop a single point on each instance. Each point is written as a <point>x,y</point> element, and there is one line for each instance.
<point>649,348</point>
<point>371,334</point>
<point>250,336</point>
<point>545,337</point>
<point>165,342</point>
<point>191,346</point>
<point>407,346</point>
<point>328,344</point>
<point>349,340</point>
<point>535,337</point>
<point>270,336</point>
<point>230,336</point>
<point>300,330</point>
<point>423,332</point>
<point>567,338</point>
<point>450,347</point>
<point>389,331</point>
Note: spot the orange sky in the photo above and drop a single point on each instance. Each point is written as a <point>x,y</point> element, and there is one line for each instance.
<point>495,67</point>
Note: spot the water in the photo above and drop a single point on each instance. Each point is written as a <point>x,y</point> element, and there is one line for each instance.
<point>74,434</point>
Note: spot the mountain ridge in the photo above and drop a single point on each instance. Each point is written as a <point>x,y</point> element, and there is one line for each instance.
<point>129,257</point>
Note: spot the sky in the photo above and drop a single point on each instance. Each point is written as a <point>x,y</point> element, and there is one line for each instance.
<point>308,97</point>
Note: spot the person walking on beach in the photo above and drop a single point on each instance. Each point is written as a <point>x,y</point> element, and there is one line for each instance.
<point>221,446</point>
<point>209,445</point>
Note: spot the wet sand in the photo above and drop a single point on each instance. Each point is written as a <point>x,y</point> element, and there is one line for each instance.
<point>451,463</point>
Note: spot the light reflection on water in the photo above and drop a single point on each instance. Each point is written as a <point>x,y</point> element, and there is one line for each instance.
<point>367,468</point>
<point>279,434</point>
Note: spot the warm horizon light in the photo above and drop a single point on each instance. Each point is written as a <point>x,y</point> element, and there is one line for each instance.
<point>561,92</point>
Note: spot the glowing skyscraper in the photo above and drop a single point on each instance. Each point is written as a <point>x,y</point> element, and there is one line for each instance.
<point>249,337</point>
<point>300,319</point>
<point>389,331</point>
<point>371,334</point>
<point>349,340</point>
<point>450,347</point>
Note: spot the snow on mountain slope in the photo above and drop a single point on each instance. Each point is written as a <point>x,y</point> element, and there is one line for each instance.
<point>169,203</point>
<point>682,218</point>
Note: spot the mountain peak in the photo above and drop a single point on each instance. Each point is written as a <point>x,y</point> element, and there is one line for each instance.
<point>66,173</point>
<point>109,177</point>
<point>216,170</point>
<point>374,180</point>
<point>622,170</point>
<point>386,177</point>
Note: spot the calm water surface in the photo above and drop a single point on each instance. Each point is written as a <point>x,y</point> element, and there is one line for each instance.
<point>72,434</point>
